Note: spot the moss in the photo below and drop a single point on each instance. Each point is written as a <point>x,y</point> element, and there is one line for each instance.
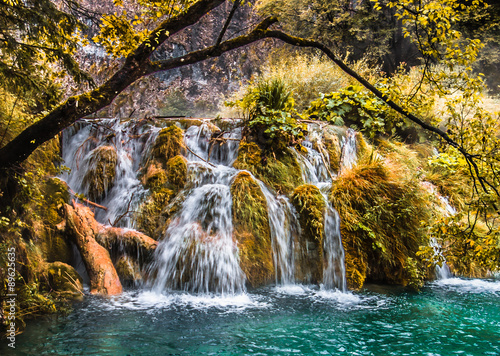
<point>363,149</point>
<point>101,172</point>
<point>187,122</point>
<point>64,279</point>
<point>155,178</point>
<point>149,218</point>
<point>177,172</point>
<point>355,275</point>
<point>382,207</point>
<point>56,194</point>
<point>279,171</point>
<point>52,240</point>
<point>310,205</point>
<point>252,230</point>
<point>168,144</point>
<point>332,147</point>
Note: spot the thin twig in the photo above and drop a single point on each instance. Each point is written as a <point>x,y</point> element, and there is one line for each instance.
<point>125,213</point>
<point>86,200</point>
<point>204,160</point>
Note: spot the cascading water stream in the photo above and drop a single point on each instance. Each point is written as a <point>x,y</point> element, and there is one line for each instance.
<point>314,172</point>
<point>284,228</point>
<point>197,253</point>
<point>443,271</point>
<point>348,155</point>
<point>128,141</point>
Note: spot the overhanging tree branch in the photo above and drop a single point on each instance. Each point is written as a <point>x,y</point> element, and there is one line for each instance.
<point>137,65</point>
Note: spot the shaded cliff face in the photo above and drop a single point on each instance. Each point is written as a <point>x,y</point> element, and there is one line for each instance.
<point>194,90</point>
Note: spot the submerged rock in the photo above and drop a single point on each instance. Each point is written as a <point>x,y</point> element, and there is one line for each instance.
<point>128,270</point>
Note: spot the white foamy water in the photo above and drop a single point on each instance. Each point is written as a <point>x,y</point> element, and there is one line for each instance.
<point>469,285</point>
<point>314,172</point>
<point>151,301</point>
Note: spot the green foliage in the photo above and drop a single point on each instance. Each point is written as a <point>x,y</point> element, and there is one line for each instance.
<point>122,31</point>
<point>355,107</point>
<point>358,108</point>
<point>37,45</point>
<point>351,28</point>
<point>269,106</point>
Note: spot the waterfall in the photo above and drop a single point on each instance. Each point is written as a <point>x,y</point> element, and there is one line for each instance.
<point>348,156</point>
<point>128,141</point>
<point>443,271</point>
<point>284,228</point>
<point>197,253</point>
<point>314,172</point>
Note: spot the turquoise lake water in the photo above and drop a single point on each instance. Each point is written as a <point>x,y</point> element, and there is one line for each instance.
<point>449,317</point>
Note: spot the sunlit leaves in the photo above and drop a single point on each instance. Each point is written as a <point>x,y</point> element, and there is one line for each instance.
<point>133,22</point>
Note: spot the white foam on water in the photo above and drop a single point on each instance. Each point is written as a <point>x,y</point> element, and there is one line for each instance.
<point>150,300</point>
<point>469,285</point>
<point>293,289</point>
<point>335,295</point>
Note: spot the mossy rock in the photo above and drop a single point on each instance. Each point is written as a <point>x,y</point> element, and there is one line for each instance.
<point>57,247</point>
<point>355,267</point>
<point>56,194</point>
<point>168,144</point>
<point>52,241</point>
<point>177,172</point>
<point>64,279</point>
<point>149,218</point>
<point>279,171</point>
<point>363,148</point>
<point>128,270</point>
<point>101,172</point>
<point>382,208</point>
<point>252,230</point>
<point>155,178</point>
<point>310,205</point>
<point>332,146</point>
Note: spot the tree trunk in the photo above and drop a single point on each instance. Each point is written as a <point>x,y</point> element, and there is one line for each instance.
<point>83,228</point>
